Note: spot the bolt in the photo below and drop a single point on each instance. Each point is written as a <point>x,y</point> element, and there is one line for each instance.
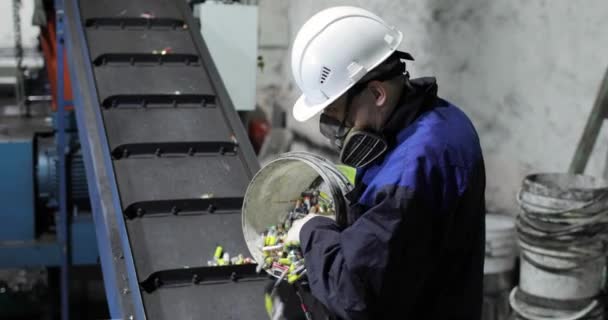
<point>157,282</point>
<point>174,210</point>
<point>191,151</point>
<point>140,212</point>
<point>211,208</point>
<point>233,276</point>
<point>158,152</point>
<point>125,290</point>
<point>196,279</point>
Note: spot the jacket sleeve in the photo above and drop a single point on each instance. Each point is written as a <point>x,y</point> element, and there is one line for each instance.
<point>350,269</point>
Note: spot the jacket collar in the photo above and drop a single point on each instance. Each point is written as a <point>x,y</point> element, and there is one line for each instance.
<point>420,97</point>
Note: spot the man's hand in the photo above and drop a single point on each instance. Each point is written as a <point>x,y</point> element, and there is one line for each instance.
<point>294,232</point>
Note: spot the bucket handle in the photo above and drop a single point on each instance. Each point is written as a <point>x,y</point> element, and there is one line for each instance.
<point>574,316</point>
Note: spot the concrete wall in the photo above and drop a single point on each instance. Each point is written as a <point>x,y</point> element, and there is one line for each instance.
<point>526,72</point>
<point>29,33</point>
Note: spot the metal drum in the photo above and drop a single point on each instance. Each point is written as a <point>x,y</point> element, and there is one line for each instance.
<point>270,195</point>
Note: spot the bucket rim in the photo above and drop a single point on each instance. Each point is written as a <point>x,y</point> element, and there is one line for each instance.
<point>539,184</point>
<point>335,180</point>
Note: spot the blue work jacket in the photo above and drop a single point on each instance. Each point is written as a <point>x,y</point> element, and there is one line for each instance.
<point>414,246</point>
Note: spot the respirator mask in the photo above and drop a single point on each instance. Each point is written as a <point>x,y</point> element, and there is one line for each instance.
<point>359,147</point>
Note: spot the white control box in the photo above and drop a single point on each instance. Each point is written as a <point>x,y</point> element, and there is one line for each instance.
<point>231,34</point>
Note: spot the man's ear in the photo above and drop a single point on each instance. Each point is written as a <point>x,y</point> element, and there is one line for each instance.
<point>378,92</point>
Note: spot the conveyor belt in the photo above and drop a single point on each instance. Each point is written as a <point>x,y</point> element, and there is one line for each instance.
<point>167,161</point>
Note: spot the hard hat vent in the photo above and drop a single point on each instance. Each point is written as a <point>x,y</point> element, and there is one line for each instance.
<point>325,71</point>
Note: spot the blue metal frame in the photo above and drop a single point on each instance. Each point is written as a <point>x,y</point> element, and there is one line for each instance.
<point>17,191</point>
<point>40,252</point>
<point>101,228</point>
<point>75,243</point>
<point>113,290</point>
<point>63,224</point>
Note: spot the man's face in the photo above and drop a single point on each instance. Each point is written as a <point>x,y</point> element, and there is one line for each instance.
<point>362,112</point>
<point>337,110</point>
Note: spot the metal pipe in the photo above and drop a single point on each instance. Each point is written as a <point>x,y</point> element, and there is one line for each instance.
<point>592,130</point>
<point>19,80</point>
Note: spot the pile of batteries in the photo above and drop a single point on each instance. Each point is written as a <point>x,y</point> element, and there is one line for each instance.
<point>283,259</point>
<point>222,258</point>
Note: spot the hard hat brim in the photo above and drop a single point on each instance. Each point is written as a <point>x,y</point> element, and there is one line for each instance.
<point>302,110</point>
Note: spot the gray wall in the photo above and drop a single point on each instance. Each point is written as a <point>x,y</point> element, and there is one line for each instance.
<point>526,72</point>
<point>29,33</point>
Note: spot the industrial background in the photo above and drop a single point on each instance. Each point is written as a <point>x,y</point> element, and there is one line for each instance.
<point>528,73</point>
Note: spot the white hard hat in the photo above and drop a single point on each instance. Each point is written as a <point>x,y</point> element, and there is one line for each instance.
<point>333,50</point>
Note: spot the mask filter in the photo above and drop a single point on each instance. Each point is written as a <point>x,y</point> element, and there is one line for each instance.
<point>362,148</point>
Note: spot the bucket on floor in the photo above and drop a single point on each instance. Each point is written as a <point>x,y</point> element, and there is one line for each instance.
<point>585,281</point>
<point>501,248</point>
<point>499,264</point>
<point>529,307</point>
<point>561,231</point>
<point>272,191</point>
<point>496,289</point>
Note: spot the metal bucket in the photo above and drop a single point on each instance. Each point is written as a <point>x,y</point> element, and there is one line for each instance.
<point>272,191</point>
<point>496,289</point>
<point>562,235</point>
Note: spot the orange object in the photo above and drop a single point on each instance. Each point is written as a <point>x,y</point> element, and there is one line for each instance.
<point>258,130</point>
<point>49,51</point>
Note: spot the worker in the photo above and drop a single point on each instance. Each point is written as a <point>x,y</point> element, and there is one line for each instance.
<point>413,247</point>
